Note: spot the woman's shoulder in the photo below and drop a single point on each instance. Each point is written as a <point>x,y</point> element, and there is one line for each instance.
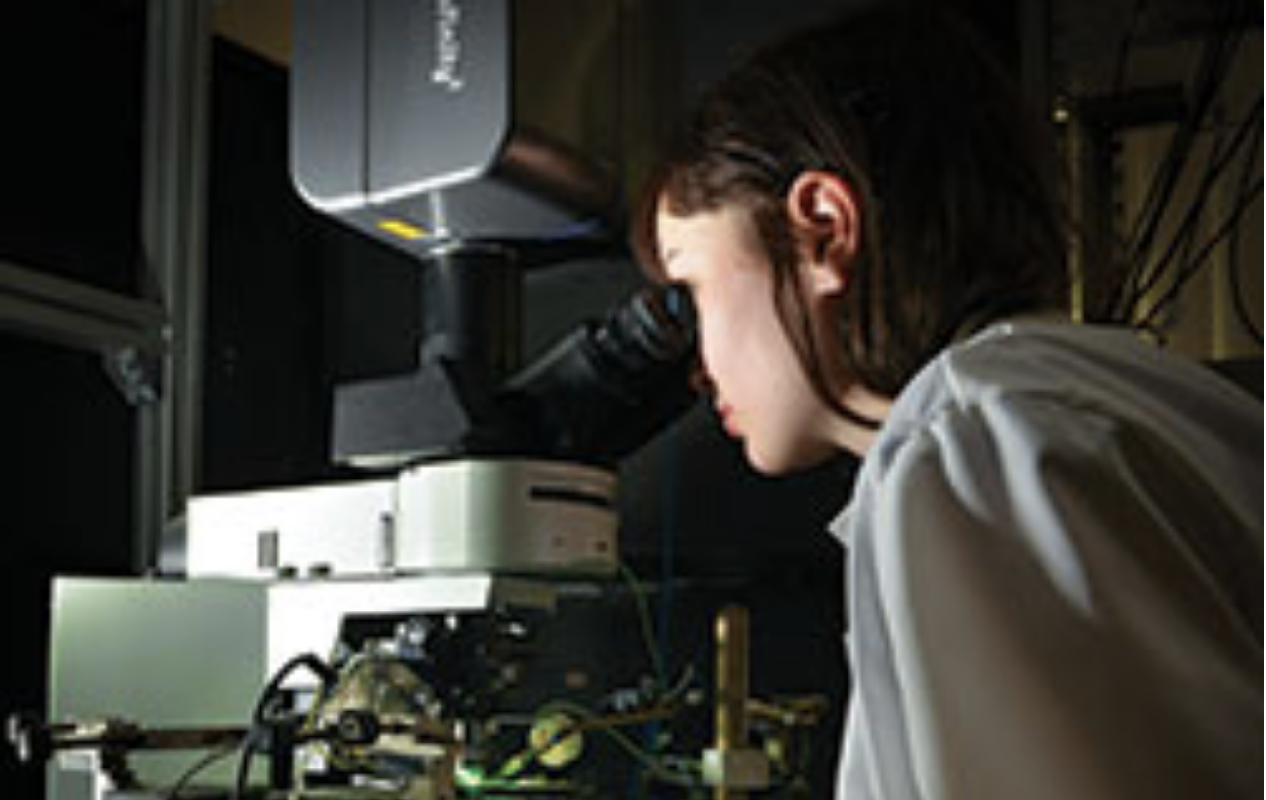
<point>1042,386</point>
<point>1096,368</point>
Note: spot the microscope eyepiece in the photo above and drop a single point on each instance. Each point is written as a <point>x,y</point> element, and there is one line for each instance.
<point>608,387</point>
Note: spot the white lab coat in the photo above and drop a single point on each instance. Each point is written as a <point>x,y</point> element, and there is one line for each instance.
<point>1055,559</point>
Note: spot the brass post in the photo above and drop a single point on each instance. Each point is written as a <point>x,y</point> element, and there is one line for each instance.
<point>732,681</point>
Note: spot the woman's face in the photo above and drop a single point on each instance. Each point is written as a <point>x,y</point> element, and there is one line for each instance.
<point>763,395</point>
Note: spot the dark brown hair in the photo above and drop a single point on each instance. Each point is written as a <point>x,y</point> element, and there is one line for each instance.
<point>960,221</point>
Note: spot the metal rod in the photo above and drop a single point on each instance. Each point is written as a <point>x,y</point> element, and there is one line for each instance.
<point>173,234</point>
<point>732,684</point>
<point>75,314</point>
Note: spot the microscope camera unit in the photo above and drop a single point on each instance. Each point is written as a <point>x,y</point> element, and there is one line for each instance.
<point>434,584</point>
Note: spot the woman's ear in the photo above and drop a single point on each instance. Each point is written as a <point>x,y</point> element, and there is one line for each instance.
<point>826,221</point>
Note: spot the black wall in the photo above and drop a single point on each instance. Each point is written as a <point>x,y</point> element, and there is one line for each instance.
<point>70,99</point>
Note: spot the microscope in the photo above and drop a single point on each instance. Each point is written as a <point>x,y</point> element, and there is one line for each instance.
<point>427,630</point>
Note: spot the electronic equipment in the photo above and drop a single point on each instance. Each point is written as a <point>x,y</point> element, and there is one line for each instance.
<point>432,126</point>
<point>455,623</point>
<point>429,123</point>
<point>428,686</point>
<point>466,515</point>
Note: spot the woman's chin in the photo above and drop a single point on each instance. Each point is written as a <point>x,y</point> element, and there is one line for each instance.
<point>776,461</point>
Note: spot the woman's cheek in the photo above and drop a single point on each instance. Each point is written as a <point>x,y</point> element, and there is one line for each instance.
<point>718,340</point>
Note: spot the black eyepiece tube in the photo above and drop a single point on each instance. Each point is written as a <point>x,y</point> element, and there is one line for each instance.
<point>607,388</point>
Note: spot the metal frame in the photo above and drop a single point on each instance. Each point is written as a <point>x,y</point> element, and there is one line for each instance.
<point>154,342</point>
<point>71,313</point>
<point>173,230</point>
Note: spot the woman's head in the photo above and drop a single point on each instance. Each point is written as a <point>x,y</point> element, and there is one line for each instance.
<point>880,181</point>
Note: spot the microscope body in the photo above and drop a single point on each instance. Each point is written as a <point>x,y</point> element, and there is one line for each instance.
<point>458,605</point>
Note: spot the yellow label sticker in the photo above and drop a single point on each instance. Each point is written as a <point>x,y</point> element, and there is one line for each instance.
<point>405,230</point>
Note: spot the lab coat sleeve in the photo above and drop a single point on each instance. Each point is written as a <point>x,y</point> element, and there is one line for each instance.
<point>1055,632</point>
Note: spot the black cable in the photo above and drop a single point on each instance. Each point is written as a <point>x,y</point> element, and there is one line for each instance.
<point>243,775</point>
<point>1228,226</point>
<point>1219,160</point>
<point>1161,190</point>
<point>1238,303</point>
<point>1242,312</point>
<point>207,759</point>
<point>1245,193</point>
<point>1215,60</point>
<point>324,672</point>
<point>260,721</point>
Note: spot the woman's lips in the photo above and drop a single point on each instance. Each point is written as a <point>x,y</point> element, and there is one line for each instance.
<point>728,421</point>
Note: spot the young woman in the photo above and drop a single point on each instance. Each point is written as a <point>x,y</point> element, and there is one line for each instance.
<point>1055,539</point>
